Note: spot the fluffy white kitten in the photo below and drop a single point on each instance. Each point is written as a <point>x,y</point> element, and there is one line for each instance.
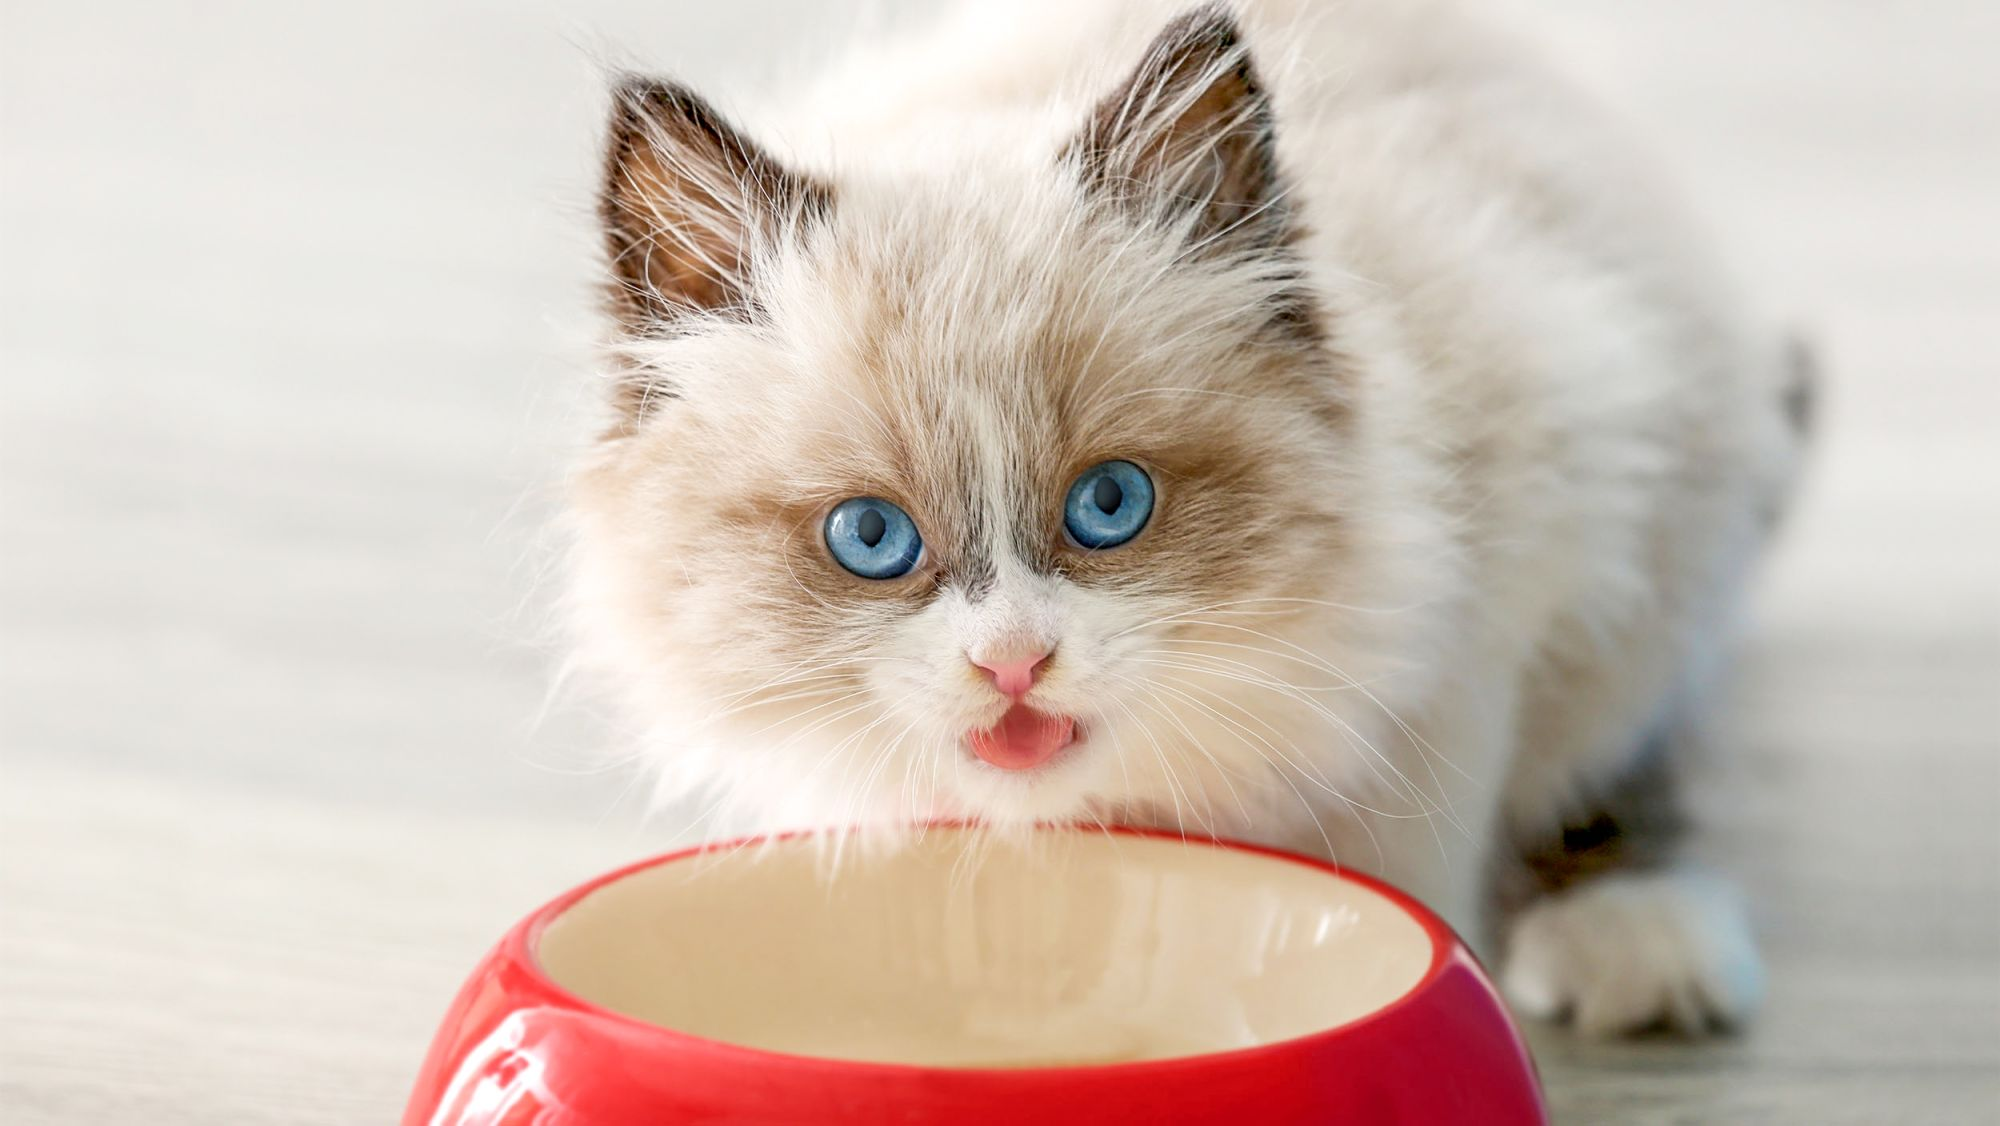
<point>1302,422</point>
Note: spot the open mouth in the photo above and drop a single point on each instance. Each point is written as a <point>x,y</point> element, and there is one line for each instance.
<point>1023,739</point>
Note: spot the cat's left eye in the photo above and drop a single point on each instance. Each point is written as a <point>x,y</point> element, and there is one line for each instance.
<point>1108,504</point>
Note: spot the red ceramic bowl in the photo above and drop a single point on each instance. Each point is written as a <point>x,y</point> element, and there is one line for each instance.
<point>1078,977</point>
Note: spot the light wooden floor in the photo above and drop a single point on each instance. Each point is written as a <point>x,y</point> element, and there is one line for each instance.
<point>294,341</point>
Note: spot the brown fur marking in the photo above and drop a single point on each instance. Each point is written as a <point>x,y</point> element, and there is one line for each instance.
<point>1635,824</point>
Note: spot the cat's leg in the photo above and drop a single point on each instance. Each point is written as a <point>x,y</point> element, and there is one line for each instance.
<point>1614,931</point>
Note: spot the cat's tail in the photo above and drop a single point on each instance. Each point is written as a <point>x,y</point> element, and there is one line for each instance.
<point>1800,403</point>
<point>1801,387</point>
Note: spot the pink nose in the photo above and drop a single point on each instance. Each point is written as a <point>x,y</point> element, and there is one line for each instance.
<point>1013,675</point>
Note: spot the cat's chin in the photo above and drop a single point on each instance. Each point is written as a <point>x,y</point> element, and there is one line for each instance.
<point>1059,790</point>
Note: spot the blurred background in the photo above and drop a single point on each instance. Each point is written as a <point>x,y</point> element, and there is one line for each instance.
<point>295,345</point>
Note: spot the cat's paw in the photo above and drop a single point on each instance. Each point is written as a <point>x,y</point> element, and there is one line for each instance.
<point>1624,953</point>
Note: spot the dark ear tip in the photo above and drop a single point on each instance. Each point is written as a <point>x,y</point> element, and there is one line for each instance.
<point>1204,37</point>
<point>633,98</point>
<point>637,98</point>
<point>1212,25</point>
<point>630,91</point>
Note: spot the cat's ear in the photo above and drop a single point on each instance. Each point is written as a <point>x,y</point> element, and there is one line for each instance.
<point>688,203</point>
<point>1187,139</point>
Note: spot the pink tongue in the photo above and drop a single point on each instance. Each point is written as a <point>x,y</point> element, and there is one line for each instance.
<point>1023,738</point>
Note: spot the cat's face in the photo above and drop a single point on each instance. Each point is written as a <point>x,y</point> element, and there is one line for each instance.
<point>997,495</point>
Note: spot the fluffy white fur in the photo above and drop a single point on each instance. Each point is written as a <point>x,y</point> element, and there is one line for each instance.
<point>1423,579</point>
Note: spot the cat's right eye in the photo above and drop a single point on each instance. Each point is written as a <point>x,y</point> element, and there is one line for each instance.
<point>872,538</point>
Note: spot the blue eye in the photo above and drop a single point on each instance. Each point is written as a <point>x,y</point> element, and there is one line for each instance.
<point>1108,504</point>
<point>872,538</point>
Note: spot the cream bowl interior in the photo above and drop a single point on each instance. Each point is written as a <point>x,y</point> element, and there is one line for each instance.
<point>959,950</point>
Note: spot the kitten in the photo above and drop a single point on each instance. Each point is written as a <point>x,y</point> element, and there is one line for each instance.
<point>1301,422</point>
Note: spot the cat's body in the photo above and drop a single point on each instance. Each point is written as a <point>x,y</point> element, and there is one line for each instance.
<point>1461,445</point>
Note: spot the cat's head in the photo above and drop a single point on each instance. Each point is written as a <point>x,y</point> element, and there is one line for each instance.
<point>1005,490</point>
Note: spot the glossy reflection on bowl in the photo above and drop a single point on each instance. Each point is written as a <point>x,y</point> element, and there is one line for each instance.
<point>959,950</point>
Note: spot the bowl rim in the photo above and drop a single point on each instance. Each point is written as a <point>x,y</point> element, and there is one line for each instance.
<point>521,945</point>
